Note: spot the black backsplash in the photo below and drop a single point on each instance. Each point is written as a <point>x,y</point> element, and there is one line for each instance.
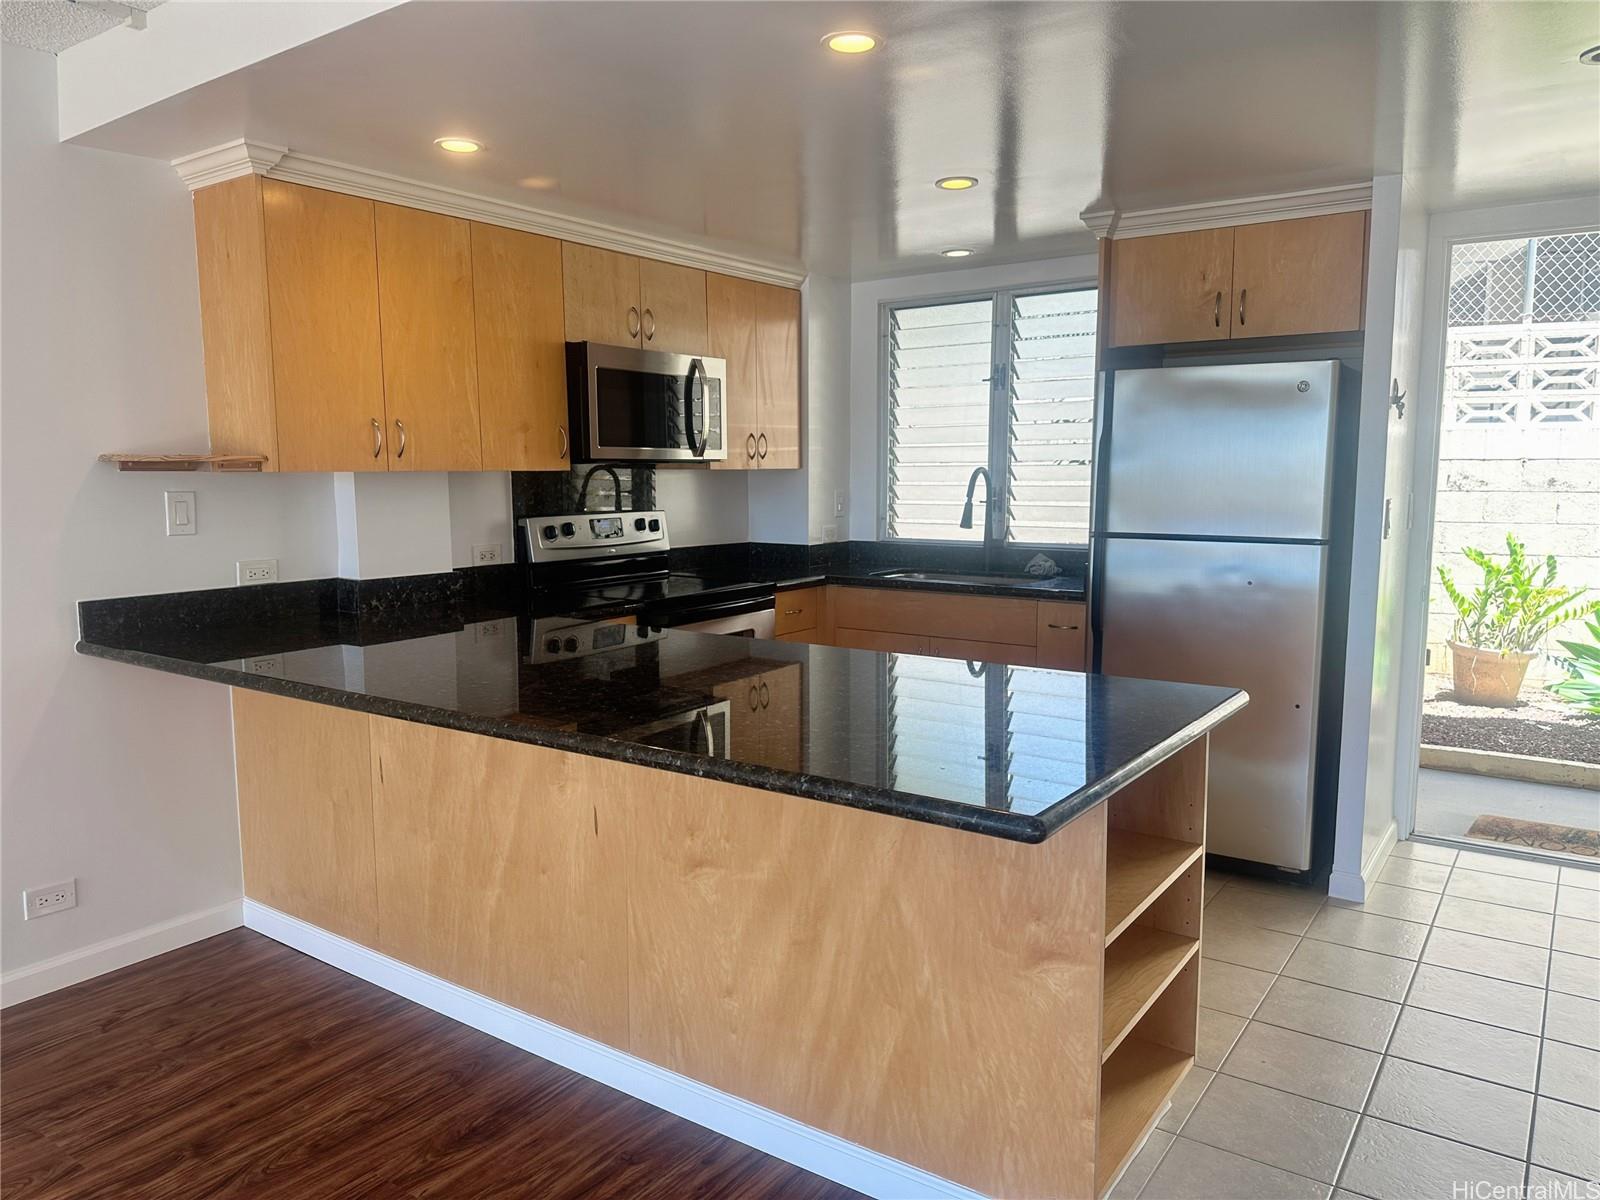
<point>555,493</point>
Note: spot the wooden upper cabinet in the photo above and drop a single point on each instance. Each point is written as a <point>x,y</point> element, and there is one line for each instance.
<point>731,335</point>
<point>1301,276</point>
<point>322,293</point>
<point>430,368</point>
<point>672,306</point>
<point>601,293</point>
<point>522,369</point>
<point>1173,287</point>
<point>778,373</point>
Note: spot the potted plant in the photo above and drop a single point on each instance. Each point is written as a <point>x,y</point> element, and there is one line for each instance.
<point>1582,685</point>
<point>1501,624</point>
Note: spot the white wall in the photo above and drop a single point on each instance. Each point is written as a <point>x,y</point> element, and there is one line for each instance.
<point>118,776</point>
<point>1365,821</point>
<point>704,507</point>
<point>866,298</point>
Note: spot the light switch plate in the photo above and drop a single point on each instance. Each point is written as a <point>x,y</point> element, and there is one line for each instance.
<point>840,499</point>
<point>180,514</point>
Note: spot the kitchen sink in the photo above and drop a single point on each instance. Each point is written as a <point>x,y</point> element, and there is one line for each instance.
<point>954,577</point>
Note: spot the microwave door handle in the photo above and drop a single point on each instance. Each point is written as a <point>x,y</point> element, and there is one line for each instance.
<point>696,367</point>
<point>703,721</point>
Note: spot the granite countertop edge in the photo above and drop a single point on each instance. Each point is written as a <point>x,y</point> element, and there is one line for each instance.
<point>1008,826</point>
<point>1042,589</point>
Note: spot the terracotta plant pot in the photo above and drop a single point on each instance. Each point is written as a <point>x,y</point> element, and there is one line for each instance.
<point>1488,677</point>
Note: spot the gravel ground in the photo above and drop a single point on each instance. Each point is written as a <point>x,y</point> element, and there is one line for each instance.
<point>1540,725</point>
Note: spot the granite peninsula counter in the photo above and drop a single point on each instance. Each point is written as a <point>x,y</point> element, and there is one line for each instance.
<point>945,911</point>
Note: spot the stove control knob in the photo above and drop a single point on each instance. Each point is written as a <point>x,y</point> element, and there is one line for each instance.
<point>639,524</point>
<point>655,525</point>
<point>552,645</point>
<point>570,645</point>
<point>548,533</point>
<point>568,529</point>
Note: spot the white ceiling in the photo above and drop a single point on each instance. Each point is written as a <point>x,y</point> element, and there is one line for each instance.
<point>56,25</point>
<point>729,123</point>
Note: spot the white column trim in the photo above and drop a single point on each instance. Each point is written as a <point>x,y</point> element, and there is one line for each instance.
<point>1213,214</point>
<point>773,1133</point>
<point>243,157</point>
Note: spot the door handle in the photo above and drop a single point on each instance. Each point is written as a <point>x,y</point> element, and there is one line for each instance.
<point>766,695</point>
<point>755,698</point>
<point>750,446</point>
<point>1243,292</point>
<point>761,447</point>
<point>1068,628</point>
<point>649,325</point>
<point>562,430</point>
<point>401,429</point>
<point>633,321</point>
<point>1216,312</point>
<point>377,437</point>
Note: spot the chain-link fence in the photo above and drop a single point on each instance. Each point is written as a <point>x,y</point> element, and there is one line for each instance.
<point>1528,280</point>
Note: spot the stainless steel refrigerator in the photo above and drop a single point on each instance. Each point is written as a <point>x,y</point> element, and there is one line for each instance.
<point>1213,564</point>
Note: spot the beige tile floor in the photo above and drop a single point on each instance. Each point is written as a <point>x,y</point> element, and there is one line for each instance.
<point>1447,1030</point>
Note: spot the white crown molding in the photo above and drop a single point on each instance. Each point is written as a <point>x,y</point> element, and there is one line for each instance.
<point>825,1154</point>
<point>242,157</point>
<point>227,161</point>
<point>1214,214</point>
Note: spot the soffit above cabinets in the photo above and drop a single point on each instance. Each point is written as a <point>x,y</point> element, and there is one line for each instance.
<point>730,127</point>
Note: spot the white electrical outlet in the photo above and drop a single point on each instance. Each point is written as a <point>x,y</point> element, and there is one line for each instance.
<point>41,901</point>
<point>258,570</point>
<point>180,514</point>
<point>483,556</point>
<point>262,664</point>
<point>839,501</point>
<point>488,631</point>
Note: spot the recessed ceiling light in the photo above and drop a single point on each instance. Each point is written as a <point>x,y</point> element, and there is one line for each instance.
<point>538,183</point>
<point>1591,56</point>
<point>458,145</point>
<point>850,41</point>
<point>956,183</point>
<point>957,252</point>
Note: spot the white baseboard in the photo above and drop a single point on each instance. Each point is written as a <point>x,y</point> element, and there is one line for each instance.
<point>782,1137</point>
<point>1347,885</point>
<point>77,965</point>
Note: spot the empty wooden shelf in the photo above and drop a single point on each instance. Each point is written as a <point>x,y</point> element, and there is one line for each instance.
<point>186,462</point>
<point>1139,867</point>
<point>1139,965</point>
<point>1135,1084</point>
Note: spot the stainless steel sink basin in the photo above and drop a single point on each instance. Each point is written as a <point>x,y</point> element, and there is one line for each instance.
<point>953,577</point>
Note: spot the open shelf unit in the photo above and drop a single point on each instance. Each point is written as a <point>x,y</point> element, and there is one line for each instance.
<point>186,462</point>
<point>1155,874</point>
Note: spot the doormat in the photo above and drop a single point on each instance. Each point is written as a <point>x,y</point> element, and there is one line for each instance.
<point>1537,835</point>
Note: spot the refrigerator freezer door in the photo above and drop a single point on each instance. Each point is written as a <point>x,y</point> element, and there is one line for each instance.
<point>1226,452</point>
<point>1244,615</point>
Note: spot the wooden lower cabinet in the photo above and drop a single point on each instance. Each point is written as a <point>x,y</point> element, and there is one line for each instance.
<point>1013,1017</point>
<point>1023,633</point>
<point>1060,635</point>
<point>883,642</point>
<point>993,652</point>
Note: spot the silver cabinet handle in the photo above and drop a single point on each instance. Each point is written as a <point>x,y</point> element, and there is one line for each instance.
<point>1243,292</point>
<point>755,698</point>
<point>1068,628</point>
<point>649,325</point>
<point>1216,312</point>
<point>400,428</point>
<point>761,446</point>
<point>562,430</point>
<point>750,446</point>
<point>377,437</point>
<point>633,321</point>
<point>766,695</point>
<point>791,612</point>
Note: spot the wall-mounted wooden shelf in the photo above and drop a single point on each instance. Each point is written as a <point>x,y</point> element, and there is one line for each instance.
<point>1139,867</point>
<point>1139,965</point>
<point>186,462</point>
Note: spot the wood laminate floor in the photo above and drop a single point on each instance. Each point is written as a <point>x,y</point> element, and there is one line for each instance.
<point>237,1067</point>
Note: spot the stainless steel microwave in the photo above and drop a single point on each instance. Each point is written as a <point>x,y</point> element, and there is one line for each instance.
<point>645,405</point>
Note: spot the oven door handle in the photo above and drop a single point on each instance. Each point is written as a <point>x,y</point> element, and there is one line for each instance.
<point>696,367</point>
<point>694,614</point>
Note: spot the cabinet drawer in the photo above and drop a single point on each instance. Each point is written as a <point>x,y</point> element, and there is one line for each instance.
<point>935,614</point>
<point>1061,635</point>
<point>986,652</point>
<point>797,610</point>
<point>881,641</point>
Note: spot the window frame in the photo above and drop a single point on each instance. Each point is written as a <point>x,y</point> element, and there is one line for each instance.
<point>1001,351</point>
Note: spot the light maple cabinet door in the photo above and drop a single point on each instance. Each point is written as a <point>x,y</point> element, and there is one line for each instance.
<point>322,295</point>
<point>779,694</point>
<point>1061,634</point>
<point>430,365</point>
<point>600,289</point>
<point>731,335</point>
<point>883,642</point>
<point>521,340</point>
<point>983,652</point>
<point>778,375</point>
<point>1300,276</point>
<point>672,307</point>
<point>1173,287</point>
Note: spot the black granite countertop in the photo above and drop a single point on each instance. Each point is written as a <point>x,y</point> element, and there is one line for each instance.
<point>1012,752</point>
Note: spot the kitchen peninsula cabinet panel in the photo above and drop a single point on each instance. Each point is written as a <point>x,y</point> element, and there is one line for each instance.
<point>521,344</point>
<point>322,291</point>
<point>1173,287</point>
<point>305,812</point>
<point>430,366</point>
